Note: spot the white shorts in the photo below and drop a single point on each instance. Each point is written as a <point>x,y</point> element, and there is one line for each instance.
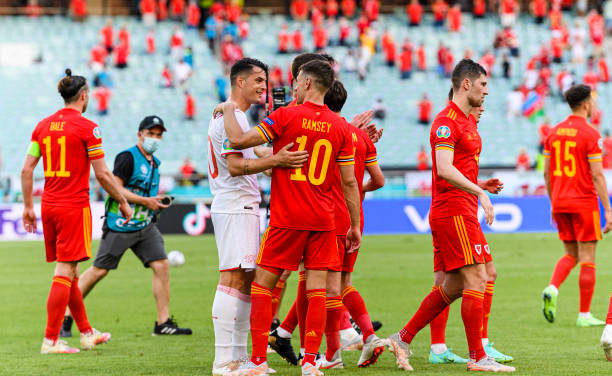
<point>237,237</point>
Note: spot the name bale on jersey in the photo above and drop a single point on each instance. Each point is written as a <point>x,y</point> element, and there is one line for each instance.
<point>316,125</point>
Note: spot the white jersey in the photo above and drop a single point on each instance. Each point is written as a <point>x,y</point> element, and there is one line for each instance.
<point>232,194</point>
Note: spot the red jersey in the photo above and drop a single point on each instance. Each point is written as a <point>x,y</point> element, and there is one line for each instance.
<point>107,36</point>
<point>177,7</point>
<point>348,8</point>
<point>406,60</point>
<point>193,15</point>
<point>98,54</point>
<point>150,42</point>
<point>162,8</point>
<point>452,130</point>
<point>320,37</point>
<point>480,8</point>
<point>421,59</point>
<point>283,40</point>
<point>298,40</point>
<point>424,110</point>
<point>124,37</point>
<point>604,75</point>
<point>102,95</point>
<point>414,12</point>
<point>300,198</point>
<point>365,155</point>
<point>331,9</point>
<point>189,106</point>
<point>454,18</point>
<point>68,142</point>
<point>79,8</point>
<point>147,6</point>
<point>439,9</point>
<point>571,146</point>
<point>508,6</point>
<point>299,8</point>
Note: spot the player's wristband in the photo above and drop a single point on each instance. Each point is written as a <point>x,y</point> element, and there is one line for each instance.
<point>34,149</point>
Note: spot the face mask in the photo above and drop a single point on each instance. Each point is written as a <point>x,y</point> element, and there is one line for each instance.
<point>150,145</point>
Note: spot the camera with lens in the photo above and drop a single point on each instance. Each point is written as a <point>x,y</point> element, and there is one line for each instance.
<point>279,97</point>
<point>167,200</point>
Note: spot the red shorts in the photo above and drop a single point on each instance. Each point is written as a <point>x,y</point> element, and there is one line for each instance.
<point>67,233</point>
<point>458,241</point>
<point>284,248</point>
<point>584,226</point>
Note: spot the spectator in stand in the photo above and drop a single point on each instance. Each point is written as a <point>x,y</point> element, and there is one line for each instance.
<point>230,51</point>
<point>190,109</point>
<point>177,9</point>
<point>607,150</point>
<point>442,51</point>
<point>454,18</point>
<point>604,73</point>
<point>422,159</point>
<point>555,17</point>
<point>480,9</point>
<point>350,62</point>
<point>299,10</point>
<point>523,162</point>
<point>596,30</point>
<point>189,56</point>
<point>543,132</point>
<point>182,72</point>
<point>421,58</point>
<point>319,36</point>
<point>150,41</point>
<point>425,107</point>
<point>538,9</point>
<point>390,50</point>
<point>380,110</point>
<point>283,40</point>
<point>147,12</point>
<point>217,9</point>
<point>187,171</point>
<point>124,37</point>
<point>506,66</point>
<point>121,55</point>
<point>487,61</point>
<point>578,40</point>
<point>33,10</point>
<point>98,58</point>
<point>211,31</point>
<point>176,43</point>
<point>362,24</point>
<point>297,39</point>
<point>102,95</point>
<point>371,8</point>
<point>508,11</point>
<point>514,104</point>
<point>414,11</point>
<point>162,10</point>
<point>596,115</point>
<point>166,77</point>
<point>233,11</point>
<point>405,62</point>
<point>345,32</point>
<point>108,35</point>
<point>78,10</point>
<point>243,27</point>
<point>348,8</point>
<point>221,86</point>
<point>557,47</point>
<point>193,15</point>
<point>439,8</point>
<point>331,9</point>
<point>316,17</point>
<point>590,79</point>
<point>449,63</point>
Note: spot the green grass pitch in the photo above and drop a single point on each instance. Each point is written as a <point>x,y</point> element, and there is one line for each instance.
<point>393,274</point>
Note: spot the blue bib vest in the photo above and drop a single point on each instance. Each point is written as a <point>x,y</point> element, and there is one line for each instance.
<point>143,182</point>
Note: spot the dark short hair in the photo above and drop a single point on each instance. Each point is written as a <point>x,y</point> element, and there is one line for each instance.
<point>466,68</point>
<point>577,94</point>
<point>245,65</point>
<point>321,73</point>
<point>70,86</point>
<point>450,94</point>
<point>335,96</point>
<point>302,59</point>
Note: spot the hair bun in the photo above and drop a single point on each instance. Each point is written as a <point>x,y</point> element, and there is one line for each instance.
<point>68,72</point>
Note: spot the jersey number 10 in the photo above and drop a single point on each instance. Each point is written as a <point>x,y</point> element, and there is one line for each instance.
<point>297,173</point>
<point>568,157</point>
<point>61,173</point>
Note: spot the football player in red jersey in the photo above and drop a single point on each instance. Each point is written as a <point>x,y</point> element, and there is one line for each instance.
<point>457,236</point>
<point>339,275</point>
<point>439,353</point>
<point>71,144</point>
<point>302,212</point>
<point>574,178</point>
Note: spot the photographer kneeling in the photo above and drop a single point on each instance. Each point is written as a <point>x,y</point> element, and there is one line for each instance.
<point>137,171</point>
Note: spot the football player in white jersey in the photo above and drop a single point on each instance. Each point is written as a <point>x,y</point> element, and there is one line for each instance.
<point>235,215</point>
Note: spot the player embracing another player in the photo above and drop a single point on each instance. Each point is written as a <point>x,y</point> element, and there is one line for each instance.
<point>459,244</point>
<point>69,144</point>
<point>302,210</point>
<point>574,179</point>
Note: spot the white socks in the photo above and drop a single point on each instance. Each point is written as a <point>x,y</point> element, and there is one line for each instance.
<point>224,310</point>
<point>242,327</point>
<point>439,348</point>
<point>283,333</point>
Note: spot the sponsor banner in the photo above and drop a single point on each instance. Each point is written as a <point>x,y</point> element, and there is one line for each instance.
<point>411,216</point>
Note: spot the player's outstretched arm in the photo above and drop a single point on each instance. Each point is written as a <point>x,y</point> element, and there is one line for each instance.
<point>599,180</point>
<point>448,172</point>
<point>238,139</point>
<point>110,185</point>
<point>377,179</point>
<point>238,165</point>
<point>27,184</point>
<point>353,203</point>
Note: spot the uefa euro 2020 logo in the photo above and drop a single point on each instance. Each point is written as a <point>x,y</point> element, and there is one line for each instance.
<point>443,132</point>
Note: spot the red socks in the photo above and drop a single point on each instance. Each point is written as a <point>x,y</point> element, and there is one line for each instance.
<point>562,269</point>
<point>302,306</point>
<point>261,318</point>
<point>56,305</point>
<point>437,326</point>
<point>471,312</point>
<point>356,306</point>
<point>345,319</point>
<point>431,306</point>
<point>335,310</point>
<point>315,324</point>
<point>276,293</point>
<point>609,318</point>
<point>291,320</point>
<point>586,282</point>
<point>486,308</point>
<point>77,307</point>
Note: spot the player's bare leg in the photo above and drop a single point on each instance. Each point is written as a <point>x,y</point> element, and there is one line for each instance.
<point>373,346</point>
<point>488,300</point>
<point>586,281</point>
<point>232,300</point>
<point>562,269</point>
